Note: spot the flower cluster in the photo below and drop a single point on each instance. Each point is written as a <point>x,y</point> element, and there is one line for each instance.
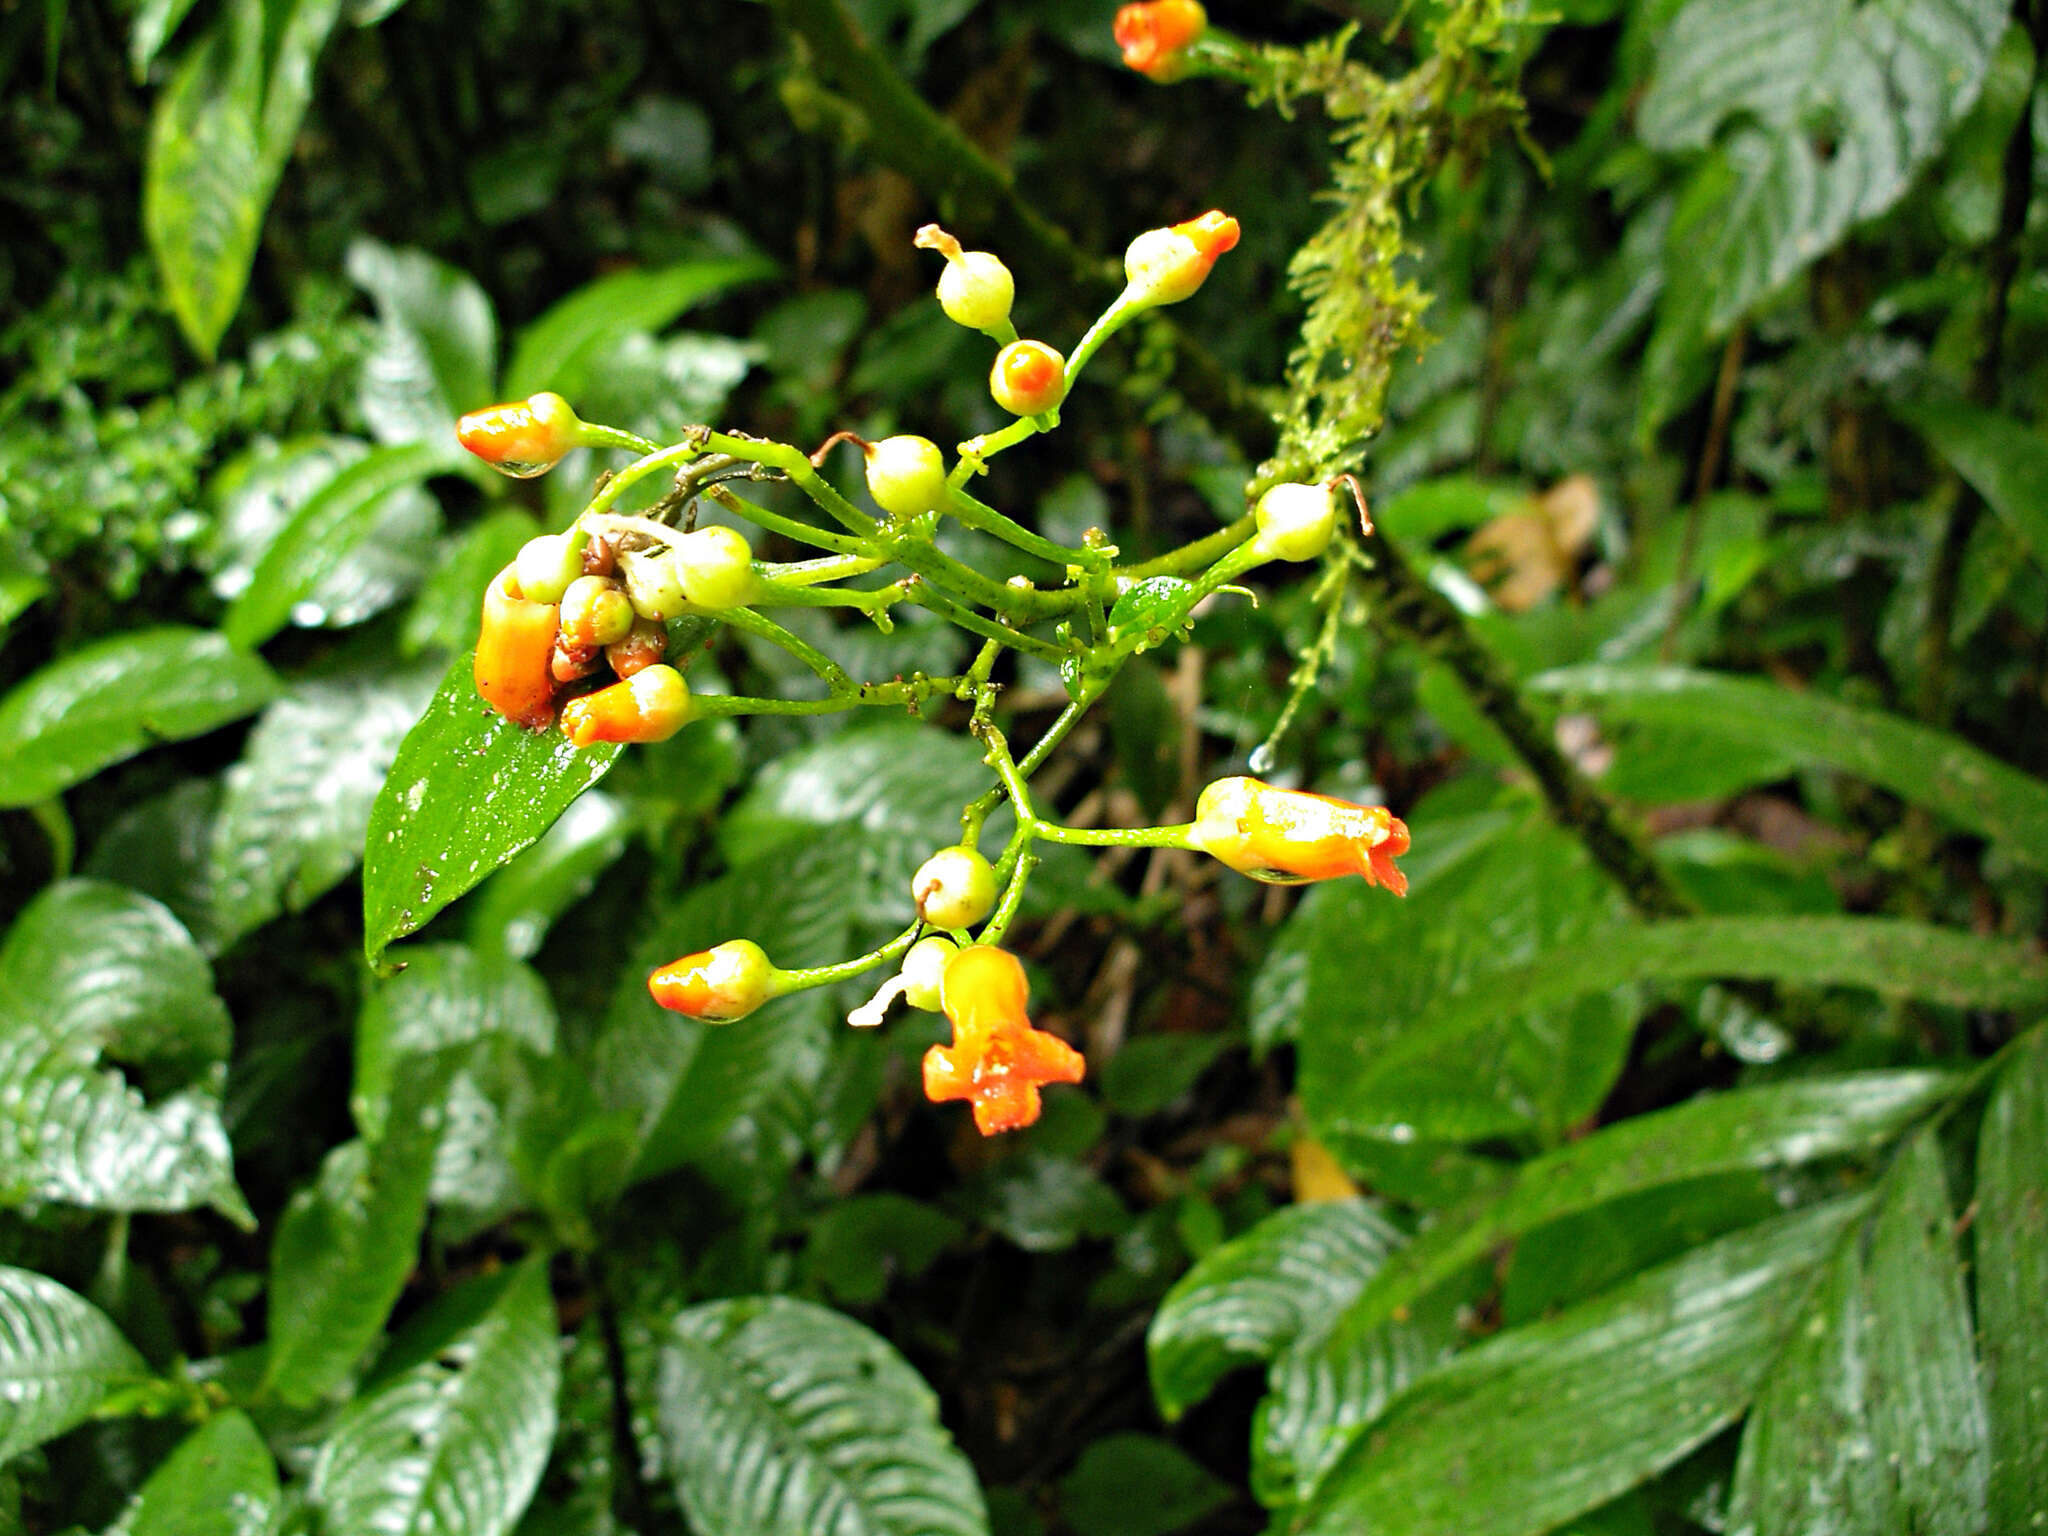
<point>561,613</point>
<point>575,631</point>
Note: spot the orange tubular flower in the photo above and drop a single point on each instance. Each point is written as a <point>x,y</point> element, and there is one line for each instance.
<point>997,1060</point>
<point>720,984</point>
<point>651,705</point>
<point>1288,836</point>
<point>514,653</point>
<point>1164,266</point>
<point>523,438</point>
<point>1155,35</point>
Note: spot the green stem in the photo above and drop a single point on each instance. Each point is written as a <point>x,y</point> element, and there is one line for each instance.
<point>989,629</point>
<point>1204,551</point>
<point>1106,325</point>
<point>986,519</point>
<point>825,975</point>
<point>788,527</point>
<point>795,464</point>
<point>716,706</point>
<point>809,573</point>
<point>977,451</point>
<point>1113,837</point>
<point>638,470</point>
<point>1022,862</point>
<point>595,435</point>
<point>749,622</point>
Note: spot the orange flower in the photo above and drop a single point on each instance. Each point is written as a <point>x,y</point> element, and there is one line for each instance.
<point>997,1060</point>
<point>513,653</point>
<point>720,984</point>
<point>1164,266</point>
<point>651,705</point>
<point>1155,35</point>
<point>1288,836</point>
<point>522,438</point>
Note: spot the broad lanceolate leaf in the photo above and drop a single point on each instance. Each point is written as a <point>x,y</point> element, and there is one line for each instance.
<point>60,1358</point>
<point>1894,957</point>
<point>450,1434</point>
<point>1547,1421</point>
<point>685,1082</point>
<point>1249,1299</point>
<point>348,1241</point>
<point>1931,768</point>
<point>91,969</point>
<point>492,1014</point>
<point>1835,106</point>
<point>780,1418</point>
<point>521,902</point>
<point>1871,1419</point>
<point>218,141</point>
<point>2005,461</point>
<point>293,811</point>
<point>1382,974</point>
<point>2011,1237</point>
<point>556,350</point>
<point>114,698</point>
<point>220,1481</point>
<point>1784,1125</point>
<point>436,348</point>
<point>468,790</point>
<point>326,534</point>
<point>261,495</point>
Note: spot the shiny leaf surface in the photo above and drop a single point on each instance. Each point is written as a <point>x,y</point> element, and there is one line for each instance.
<point>220,1481</point>
<point>117,697</point>
<point>2011,1237</point>
<point>59,1359</point>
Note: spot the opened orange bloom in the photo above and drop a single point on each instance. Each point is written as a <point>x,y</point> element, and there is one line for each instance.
<point>1154,34</point>
<point>997,1060</point>
<point>1287,836</point>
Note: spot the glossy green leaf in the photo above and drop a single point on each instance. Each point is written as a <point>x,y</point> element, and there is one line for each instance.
<point>260,496</point>
<point>468,790</point>
<point>447,998</point>
<point>517,906</point>
<point>1825,111</point>
<point>1548,1421</point>
<point>2011,1237</point>
<point>1785,1125</point>
<point>219,138</point>
<point>220,1481</point>
<point>556,351</point>
<point>116,697</point>
<point>1149,1073</point>
<point>1931,768</point>
<point>1872,1420</point>
<point>779,1418</point>
<point>1249,1299</point>
<point>163,848</point>
<point>60,1358</point>
<point>348,1240</point>
<point>451,1432</point>
<point>1149,611</point>
<point>155,21</point>
<point>292,812</point>
<point>436,349</point>
<point>325,534</point>
<point>1137,1485</point>
<point>91,970</point>
<point>1384,975</point>
<point>858,1244</point>
<point>2005,461</point>
<point>685,1082</point>
<point>1044,1203</point>
<point>1885,955</point>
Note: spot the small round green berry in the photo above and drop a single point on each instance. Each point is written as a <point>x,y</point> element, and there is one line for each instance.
<point>546,566</point>
<point>1296,522</point>
<point>954,888</point>
<point>717,567</point>
<point>595,613</point>
<point>922,968</point>
<point>906,475</point>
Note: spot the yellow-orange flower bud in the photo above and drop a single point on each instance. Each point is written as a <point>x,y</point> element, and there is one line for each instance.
<point>651,705</point>
<point>1164,266</point>
<point>522,438</point>
<point>1155,35</point>
<point>720,984</point>
<point>515,653</point>
<point>1288,836</point>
